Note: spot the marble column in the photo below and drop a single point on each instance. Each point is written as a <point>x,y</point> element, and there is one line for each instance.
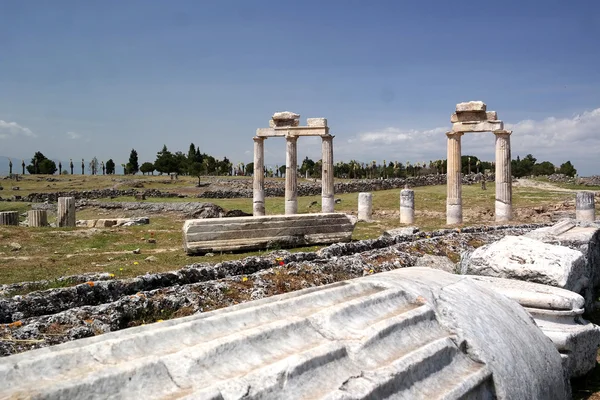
<point>37,218</point>
<point>503,177</point>
<point>454,180</point>
<point>65,214</point>
<point>365,206</point>
<point>258,197</point>
<point>327,200</point>
<point>407,206</point>
<point>585,209</point>
<point>291,171</point>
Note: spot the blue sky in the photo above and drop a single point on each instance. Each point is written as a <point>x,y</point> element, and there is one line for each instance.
<point>80,79</point>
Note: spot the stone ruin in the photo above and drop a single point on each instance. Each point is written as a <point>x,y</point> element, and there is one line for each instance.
<point>287,124</point>
<point>473,116</point>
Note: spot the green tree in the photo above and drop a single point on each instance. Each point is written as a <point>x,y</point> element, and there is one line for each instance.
<point>164,163</point>
<point>567,169</point>
<point>147,168</point>
<point>133,166</point>
<point>41,165</point>
<point>110,167</point>
<point>249,169</point>
<point>308,166</point>
<point>544,168</point>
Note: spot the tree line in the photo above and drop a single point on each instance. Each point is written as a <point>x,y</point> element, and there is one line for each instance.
<point>195,163</point>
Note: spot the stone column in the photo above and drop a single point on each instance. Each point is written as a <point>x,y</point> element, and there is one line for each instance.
<point>585,208</point>
<point>327,189</point>
<point>503,177</point>
<point>37,218</point>
<point>365,206</point>
<point>407,206</point>
<point>258,197</point>
<point>291,170</point>
<point>65,216</point>
<point>9,218</point>
<point>454,181</point>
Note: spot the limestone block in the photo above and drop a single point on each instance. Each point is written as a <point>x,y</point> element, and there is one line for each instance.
<point>470,106</point>
<point>413,333</point>
<point>316,122</point>
<point>522,258</point>
<point>285,115</point>
<point>558,313</point>
<point>474,116</point>
<point>485,126</point>
<point>583,238</point>
<point>251,233</point>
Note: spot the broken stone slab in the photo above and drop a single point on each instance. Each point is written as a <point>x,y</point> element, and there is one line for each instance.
<point>470,106</point>
<point>407,231</point>
<point>262,232</point>
<point>285,115</point>
<point>474,116</point>
<point>110,222</point>
<point>526,259</point>
<point>559,314</point>
<point>476,126</point>
<point>414,333</point>
<point>284,118</point>
<point>584,237</point>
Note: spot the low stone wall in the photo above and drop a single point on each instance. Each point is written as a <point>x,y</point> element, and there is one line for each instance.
<point>93,194</point>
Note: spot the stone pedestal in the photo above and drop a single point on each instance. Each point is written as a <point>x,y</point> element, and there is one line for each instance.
<point>585,208</point>
<point>65,215</point>
<point>454,181</point>
<point>327,189</point>
<point>37,218</point>
<point>407,206</point>
<point>258,197</point>
<point>365,206</point>
<point>291,171</point>
<point>503,177</point>
<point>9,218</point>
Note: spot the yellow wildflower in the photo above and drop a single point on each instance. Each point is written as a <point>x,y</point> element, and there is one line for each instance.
<point>244,279</point>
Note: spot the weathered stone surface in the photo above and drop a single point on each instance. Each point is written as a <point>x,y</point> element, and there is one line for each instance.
<point>316,122</point>
<point>365,206</point>
<point>522,258</point>
<point>249,233</point>
<point>37,218</point>
<point>486,126</point>
<point>585,209</point>
<point>470,106</point>
<point>474,116</point>
<point>9,218</point>
<point>285,115</point>
<point>558,313</point>
<point>407,206</point>
<point>577,236</point>
<point>413,333</point>
<point>110,222</point>
<point>66,212</point>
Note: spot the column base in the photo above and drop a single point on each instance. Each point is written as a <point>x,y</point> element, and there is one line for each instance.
<point>291,207</point>
<point>327,204</point>
<point>585,215</point>
<point>407,215</point>
<point>258,209</point>
<point>454,214</point>
<point>503,211</point>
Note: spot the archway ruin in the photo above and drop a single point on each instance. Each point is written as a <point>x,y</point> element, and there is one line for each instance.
<point>473,116</point>
<point>287,124</point>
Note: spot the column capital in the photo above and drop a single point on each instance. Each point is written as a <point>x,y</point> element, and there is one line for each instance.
<point>453,135</point>
<point>327,137</point>
<point>291,138</point>
<point>258,139</point>
<point>502,132</point>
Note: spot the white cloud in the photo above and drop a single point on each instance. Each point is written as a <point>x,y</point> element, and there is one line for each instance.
<point>553,139</point>
<point>74,135</point>
<point>11,129</point>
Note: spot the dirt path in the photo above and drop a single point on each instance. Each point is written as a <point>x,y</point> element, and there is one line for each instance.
<point>524,182</point>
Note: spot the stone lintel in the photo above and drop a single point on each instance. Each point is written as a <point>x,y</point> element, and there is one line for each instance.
<point>292,131</point>
<point>285,115</point>
<point>468,116</point>
<point>484,126</point>
<point>470,106</point>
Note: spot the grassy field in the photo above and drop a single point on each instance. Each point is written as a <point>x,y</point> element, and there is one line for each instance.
<point>48,253</point>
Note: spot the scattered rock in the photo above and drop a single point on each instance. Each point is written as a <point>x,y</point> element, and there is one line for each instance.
<point>14,246</point>
<point>151,240</point>
<point>151,259</point>
<point>137,251</point>
<point>209,255</point>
